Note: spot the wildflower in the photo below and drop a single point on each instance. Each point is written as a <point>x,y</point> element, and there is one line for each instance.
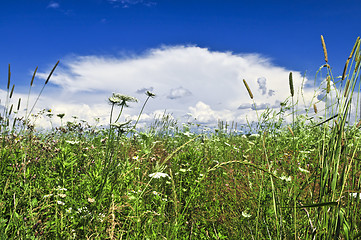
<point>72,142</point>
<point>121,100</point>
<point>91,200</point>
<point>83,209</point>
<point>355,195</point>
<point>49,195</point>
<point>158,175</point>
<point>62,195</point>
<point>156,193</point>
<point>287,179</point>
<point>246,215</point>
<point>101,217</point>
<point>188,134</point>
<point>150,94</point>
<point>135,157</point>
<point>61,115</point>
<point>303,170</point>
<point>114,100</point>
<point>254,136</point>
<point>61,189</point>
<point>68,210</point>
<point>60,202</point>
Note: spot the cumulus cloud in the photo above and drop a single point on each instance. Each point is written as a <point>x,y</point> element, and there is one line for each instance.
<point>53,5</point>
<point>262,85</point>
<point>179,92</point>
<point>186,79</point>
<point>143,90</point>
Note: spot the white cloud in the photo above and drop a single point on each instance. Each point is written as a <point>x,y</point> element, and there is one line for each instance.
<point>186,79</point>
<point>53,5</point>
<point>128,3</point>
<point>178,93</point>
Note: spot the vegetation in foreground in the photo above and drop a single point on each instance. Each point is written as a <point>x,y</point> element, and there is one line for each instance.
<point>288,181</point>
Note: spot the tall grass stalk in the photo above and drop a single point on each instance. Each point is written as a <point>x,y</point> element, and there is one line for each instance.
<point>251,96</point>
<point>331,221</point>
<point>42,89</point>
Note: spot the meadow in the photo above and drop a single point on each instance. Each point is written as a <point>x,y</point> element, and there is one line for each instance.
<point>286,180</point>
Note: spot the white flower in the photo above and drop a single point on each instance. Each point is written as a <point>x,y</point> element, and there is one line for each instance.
<point>246,215</point>
<point>60,202</point>
<point>156,193</point>
<point>49,195</point>
<point>287,179</point>
<point>62,195</point>
<point>91,200</point>
<point>355,195</point>
<point>158,175</point>
<point>83,209</point>
<point>135,157</point>
<point>101,217</point>
<point>72,142</point>
<point>120,99</point>
<point>255,135</point>
<point>61,189</point>
<point>303,170</point>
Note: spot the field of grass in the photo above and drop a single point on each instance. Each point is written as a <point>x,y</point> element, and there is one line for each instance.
<point>298,180</point>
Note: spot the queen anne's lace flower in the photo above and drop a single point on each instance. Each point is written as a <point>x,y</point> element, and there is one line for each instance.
<point>121,100</point>
<point>158,175</point>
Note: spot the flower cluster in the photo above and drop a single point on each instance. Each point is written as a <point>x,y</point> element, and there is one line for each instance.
<point>121,100</point>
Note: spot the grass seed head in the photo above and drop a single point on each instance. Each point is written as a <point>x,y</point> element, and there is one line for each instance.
<point>344,69</point>
<point>32,79</point>
<point>9,75</point>
<point>17,109</point>
<point>11,109</point>
<point>324,49</point>
<point>357,65</point>
<point>357,54</point>
<point>12,91</point>
<point>357,44</point>
<point>328,79</point>
<point>289,128</point>
<point>51,73</point>
<point>291,84</point>
<point>315,108</point>
<point>346,88</point>
<point>248,89</point>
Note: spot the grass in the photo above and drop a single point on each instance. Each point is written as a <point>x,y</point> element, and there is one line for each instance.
<point>288,181</point>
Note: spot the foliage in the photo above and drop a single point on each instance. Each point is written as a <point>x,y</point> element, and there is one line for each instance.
<point>298,180</point>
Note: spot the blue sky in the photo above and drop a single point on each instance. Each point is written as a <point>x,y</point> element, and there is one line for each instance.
<point>192,54</point>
